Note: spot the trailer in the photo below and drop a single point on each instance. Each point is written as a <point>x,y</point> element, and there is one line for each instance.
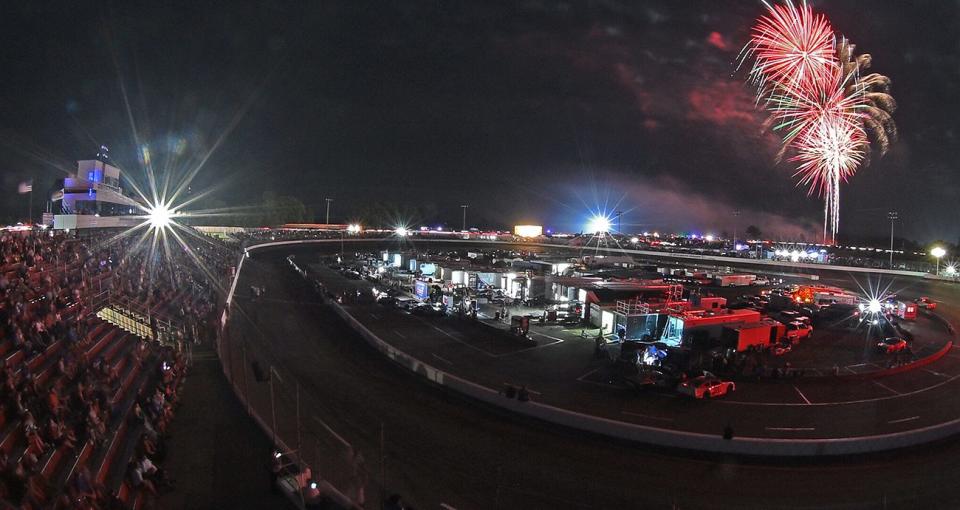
<point>734,280</point>
<point>700,327</point>
<point>762,335</point>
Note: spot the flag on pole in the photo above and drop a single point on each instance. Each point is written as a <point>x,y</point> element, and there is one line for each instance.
<point>25,187</point>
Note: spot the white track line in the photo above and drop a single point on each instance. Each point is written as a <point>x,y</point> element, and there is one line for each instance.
<point>551,337</point>
<point>445,360</point>
<point>558,341</point>
<point>588,374</point>
<point>901,420</point>
<point>842,403</point>
<point>395,332</point>
<point>804,397</point>
<point>628,413</point>
<point>331,431</point>
<point>455,339</point>
<point>884,386</point>
<point>791,429</point>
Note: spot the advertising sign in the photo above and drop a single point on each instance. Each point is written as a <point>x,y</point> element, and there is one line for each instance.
<point>421,289</point>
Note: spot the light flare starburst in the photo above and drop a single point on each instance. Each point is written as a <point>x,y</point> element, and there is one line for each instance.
<point>159,215</point>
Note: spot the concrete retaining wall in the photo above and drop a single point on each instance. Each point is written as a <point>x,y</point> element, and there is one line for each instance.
<point>644,434</point>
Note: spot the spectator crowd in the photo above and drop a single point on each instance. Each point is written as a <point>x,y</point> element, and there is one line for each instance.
<point>84,406</point>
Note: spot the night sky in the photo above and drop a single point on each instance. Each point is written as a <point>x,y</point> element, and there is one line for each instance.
<point>529,111</point>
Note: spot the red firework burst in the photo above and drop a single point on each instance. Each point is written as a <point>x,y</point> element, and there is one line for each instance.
<point>791,47</point>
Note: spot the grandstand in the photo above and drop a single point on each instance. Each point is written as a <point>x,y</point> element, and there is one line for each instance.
<point>94,343</point>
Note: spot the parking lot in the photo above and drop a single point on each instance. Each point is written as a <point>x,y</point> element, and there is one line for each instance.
<point>559,366</point>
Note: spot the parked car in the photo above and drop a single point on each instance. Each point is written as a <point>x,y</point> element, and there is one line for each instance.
<point>925,302</point>
<point>798,330</point>
<point>892,345</point>
<point>706,386</point>
<point>407,303</point>
<point>388,301</point>
<point>788,316</point>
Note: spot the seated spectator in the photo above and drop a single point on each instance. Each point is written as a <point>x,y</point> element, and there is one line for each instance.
<point>84,487</point>
<point>138,481</point>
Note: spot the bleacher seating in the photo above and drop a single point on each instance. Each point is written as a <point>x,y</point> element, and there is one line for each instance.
<point>82,377</point>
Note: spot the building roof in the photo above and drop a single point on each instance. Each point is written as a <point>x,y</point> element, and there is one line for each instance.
<point>702,318</point>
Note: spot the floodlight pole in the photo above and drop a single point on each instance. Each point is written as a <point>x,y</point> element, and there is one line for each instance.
<point>892,216</point>
<point>328,209</point>
<point>464,207</point>
<point>736,214</point>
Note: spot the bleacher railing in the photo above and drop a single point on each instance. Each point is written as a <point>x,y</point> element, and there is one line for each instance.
<point>138,319</point>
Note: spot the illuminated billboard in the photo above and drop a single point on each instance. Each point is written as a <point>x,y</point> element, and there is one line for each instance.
<point>421,289</point>
<point>528,230</point>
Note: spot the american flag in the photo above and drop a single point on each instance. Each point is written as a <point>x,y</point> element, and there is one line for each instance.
<point>25,187</point>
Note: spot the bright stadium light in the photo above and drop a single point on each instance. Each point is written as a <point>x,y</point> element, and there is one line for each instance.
<point>938,252</point>
<point>401,231</point>
<point>159,216</point>
<point>874,306</point>
<point>598,224</point>
<point>353,228</point>
<point>951,270</point>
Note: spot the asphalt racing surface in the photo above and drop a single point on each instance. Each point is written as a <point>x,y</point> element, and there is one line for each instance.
<point>443,449</point>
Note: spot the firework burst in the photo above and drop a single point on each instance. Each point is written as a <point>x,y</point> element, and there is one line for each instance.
<point>791,46</point>
<point>824,109</point>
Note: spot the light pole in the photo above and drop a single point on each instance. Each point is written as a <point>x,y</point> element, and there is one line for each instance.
<point>619,227</point>
<point>938,252</point>
<point>736,214</point>
<point>273,406</point>
<point>328,209</point>
<point>464,207</point>
<point>892,216</point>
